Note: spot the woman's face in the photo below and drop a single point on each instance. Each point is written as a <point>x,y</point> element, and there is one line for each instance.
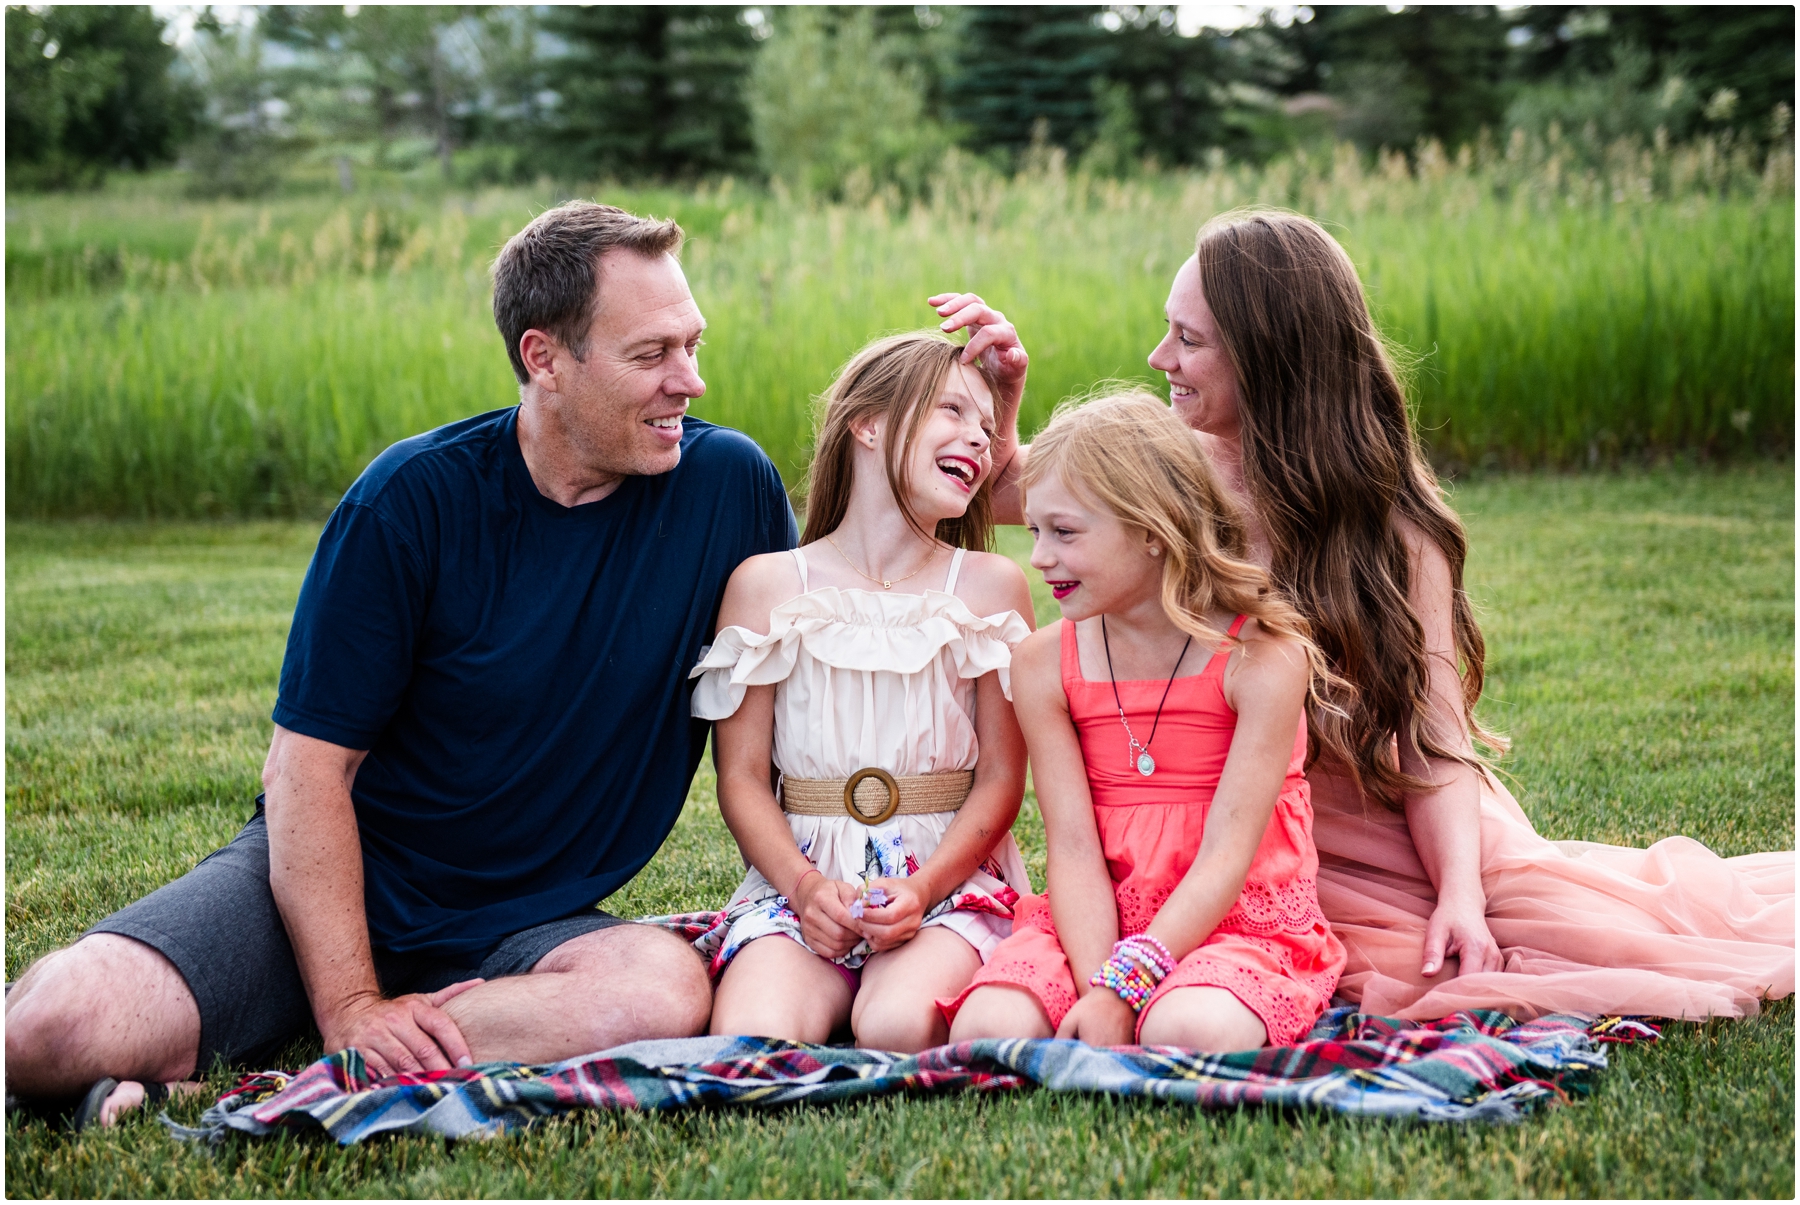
<point>1203,384</point>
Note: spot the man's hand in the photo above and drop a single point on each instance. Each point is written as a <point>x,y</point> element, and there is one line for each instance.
<point>896,922</point>
<point>1459,927</point>
<point>823,906</point>
<point>1100,1018</point>
<point>407,1033</point>
<point>993,339</point>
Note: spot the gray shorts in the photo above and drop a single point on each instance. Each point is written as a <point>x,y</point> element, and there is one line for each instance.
<point>219,925</point>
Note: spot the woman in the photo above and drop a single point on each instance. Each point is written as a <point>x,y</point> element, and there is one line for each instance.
<point>1425,857</point>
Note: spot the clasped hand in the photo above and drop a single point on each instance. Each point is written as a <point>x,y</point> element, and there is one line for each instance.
<point>407,1033</point>
<point>824,908</point>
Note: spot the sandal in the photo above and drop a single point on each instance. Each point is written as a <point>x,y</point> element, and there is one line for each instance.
<point>88,1112</point>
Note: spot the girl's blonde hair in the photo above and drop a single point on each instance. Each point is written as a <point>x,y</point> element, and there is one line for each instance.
<point>894,378</point>
<point>1129,453</point>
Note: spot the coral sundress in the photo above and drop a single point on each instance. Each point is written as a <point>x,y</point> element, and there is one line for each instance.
<point>867,678</point>
<point>1273,950</point>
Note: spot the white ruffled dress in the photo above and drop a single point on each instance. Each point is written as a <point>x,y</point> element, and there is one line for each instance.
<point>867,678</point>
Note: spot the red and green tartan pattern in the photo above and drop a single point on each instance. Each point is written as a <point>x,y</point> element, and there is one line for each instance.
<point>1470,1066</point>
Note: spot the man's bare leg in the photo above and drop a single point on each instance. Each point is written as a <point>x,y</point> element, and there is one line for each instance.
<point>107,1006</point>
<point>601,989</point>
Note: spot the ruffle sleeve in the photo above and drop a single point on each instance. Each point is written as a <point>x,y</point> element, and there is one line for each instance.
<point>854,630</point>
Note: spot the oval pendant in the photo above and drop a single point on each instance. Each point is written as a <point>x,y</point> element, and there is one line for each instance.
<point>1146,765</point>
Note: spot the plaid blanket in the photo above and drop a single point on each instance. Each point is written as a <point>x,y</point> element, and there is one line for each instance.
<point>1474,1066</point>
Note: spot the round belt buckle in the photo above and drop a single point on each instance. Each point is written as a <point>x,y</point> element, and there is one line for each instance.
<point>887,780</point>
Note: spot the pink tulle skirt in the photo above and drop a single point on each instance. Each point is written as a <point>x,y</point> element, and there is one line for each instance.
<point>1672,931</point>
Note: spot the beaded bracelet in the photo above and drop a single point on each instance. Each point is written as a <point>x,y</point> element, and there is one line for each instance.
<point>1137,965</point>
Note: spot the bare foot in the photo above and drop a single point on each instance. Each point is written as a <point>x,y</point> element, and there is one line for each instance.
<point>129,1095</point>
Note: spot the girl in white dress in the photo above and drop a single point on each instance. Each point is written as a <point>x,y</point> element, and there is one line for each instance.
<point>881,647</point>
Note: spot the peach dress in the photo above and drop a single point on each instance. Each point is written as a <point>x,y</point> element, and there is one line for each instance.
<point>1273,950</point>
<point>1673,930</point>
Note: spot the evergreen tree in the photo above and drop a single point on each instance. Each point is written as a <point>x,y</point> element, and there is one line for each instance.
<point>651,90</point>
<point>88,89</point>
<point>1746,48</point>
<point>1190,94</point>
<point>1027,64</point>
<point>1434,71</point>
<point>396,56</point>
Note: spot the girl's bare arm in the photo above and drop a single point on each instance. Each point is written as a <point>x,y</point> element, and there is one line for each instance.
<point>1081,891</point>
<point>1266,684</point>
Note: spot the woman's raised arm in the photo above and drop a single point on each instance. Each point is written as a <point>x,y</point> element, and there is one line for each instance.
<point>992,336</point>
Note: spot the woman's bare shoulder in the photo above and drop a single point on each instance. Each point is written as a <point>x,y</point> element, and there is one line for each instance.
<point>1430,568</point>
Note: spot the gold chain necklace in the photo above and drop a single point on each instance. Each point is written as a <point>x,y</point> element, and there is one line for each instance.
<point>885,583</point>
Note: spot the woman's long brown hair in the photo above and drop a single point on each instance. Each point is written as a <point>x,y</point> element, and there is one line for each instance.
<point>1333,467</point>
<point>894,378</point>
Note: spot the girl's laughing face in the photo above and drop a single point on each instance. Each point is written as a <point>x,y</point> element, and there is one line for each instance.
<point>953,454</point>
<point>1093,563</point>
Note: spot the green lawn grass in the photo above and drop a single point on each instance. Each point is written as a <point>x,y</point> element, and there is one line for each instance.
<point>1640,630</point>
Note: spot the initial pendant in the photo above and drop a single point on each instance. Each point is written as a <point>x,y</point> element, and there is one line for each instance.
<point>1146,765</point>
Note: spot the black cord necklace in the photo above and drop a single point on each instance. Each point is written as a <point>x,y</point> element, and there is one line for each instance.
<point>1141,759</point>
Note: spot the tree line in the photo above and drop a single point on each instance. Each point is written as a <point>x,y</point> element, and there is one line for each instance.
<point>824,98</point>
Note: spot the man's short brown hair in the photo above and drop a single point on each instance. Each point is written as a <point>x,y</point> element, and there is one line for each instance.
<point>546,275</point>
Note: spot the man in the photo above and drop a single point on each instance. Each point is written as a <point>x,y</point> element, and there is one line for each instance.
<point>482,726</point>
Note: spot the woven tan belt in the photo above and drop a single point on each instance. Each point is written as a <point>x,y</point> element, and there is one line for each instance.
<point>872,795</point>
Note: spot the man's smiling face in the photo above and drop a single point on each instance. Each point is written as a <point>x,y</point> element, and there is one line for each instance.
<point>621,404</point>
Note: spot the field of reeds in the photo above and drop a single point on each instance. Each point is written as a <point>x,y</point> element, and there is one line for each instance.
<point>183,359</point>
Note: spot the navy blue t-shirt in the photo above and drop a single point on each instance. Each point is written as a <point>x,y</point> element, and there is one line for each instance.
<point>517,670</point>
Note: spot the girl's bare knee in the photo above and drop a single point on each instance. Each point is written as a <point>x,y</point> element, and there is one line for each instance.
<point>1208,1019</point>
<point>775,988</point>
<point>998,1011</point>
<point>903,1025</point>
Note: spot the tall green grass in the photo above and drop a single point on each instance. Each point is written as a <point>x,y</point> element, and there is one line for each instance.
<point>179,359</point>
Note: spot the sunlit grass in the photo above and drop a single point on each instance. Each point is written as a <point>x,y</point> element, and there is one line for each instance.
<point>1640,629</point>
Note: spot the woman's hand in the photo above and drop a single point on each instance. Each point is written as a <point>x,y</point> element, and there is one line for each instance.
<point>823,906</point>
<point>1459,926</point>
<point>992,338</point>
<point>1100,1018</point>
<point>897,921</point>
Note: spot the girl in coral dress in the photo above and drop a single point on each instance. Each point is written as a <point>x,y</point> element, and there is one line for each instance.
<point>869,763</point>
<point>1164,715</point>
<point>1442,891</point>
